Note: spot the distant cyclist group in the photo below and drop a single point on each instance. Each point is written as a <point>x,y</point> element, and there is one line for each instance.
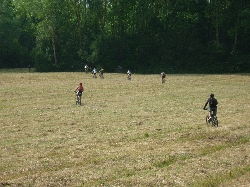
<point>94,71</point>
<point>119,69</point>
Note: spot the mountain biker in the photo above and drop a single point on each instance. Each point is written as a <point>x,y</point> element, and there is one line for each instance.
<point>101,73</point>
<point>163,75</point>
<point>129,74</point>
<point>94,73</point>
<point>86,67</point>
<point>212,105</point>
<point>79,89</point>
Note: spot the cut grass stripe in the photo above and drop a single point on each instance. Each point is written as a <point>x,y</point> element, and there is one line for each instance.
<point>221,178</point>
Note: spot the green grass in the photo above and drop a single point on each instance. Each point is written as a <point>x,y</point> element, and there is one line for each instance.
<point>126,133</point>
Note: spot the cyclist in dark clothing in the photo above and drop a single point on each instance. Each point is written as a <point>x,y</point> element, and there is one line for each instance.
<point>212,105</point>
<point>163,76</point>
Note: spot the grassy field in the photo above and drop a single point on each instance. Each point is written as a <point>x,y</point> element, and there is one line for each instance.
<point>126,133</point>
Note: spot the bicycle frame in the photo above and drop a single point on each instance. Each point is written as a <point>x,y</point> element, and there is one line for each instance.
<point>163,80</point>
<point>79,99</point>
<point>101,75</point>
<point>213,119</point>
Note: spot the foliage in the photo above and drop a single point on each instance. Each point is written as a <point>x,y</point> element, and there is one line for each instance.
<point>144,36</point>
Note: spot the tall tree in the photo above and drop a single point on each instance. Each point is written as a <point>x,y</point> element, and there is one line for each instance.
<point>9,33</point>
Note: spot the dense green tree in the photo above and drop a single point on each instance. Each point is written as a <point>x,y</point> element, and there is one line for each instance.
<point>9,32</point>
<point>146,36</point>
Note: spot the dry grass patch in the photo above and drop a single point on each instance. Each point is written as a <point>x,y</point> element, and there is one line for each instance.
<point>127,133</point>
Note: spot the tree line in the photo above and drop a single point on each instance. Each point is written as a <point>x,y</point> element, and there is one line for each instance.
<point>146,36</point>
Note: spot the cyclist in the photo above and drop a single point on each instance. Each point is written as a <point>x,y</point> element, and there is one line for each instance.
<point>101,73</point>
<point>129,74</point>
<point>79,89</point>
<point>94,73</point>
<point>86,67</point>
<point>212,105</point>
<point>29,66</point>
<point>163,75</point>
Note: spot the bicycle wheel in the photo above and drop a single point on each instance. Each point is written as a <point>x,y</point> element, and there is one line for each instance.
<point>215,122</point>
<point>77,101</point>
<point>80,101</point>
<point>207,121</point>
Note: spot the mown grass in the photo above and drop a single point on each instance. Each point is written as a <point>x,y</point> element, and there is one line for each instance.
<point>127,133</point>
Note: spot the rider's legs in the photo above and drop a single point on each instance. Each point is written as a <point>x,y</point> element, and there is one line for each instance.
<point>129,76</point>
<point>78,94</point>
<point>163,78</point>
<point>212,111</point>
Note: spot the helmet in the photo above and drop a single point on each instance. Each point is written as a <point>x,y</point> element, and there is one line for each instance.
<point>211,95</point>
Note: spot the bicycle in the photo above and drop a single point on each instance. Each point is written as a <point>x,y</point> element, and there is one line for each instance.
<point>101,75</point>
<point>129,76</point>
<point>163,80</point>
<point>213,120</point>
<point>86,70</point>
<point>163,76</point>
<point>79,98</point>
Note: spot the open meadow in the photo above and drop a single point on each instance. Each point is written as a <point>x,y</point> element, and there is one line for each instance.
<point>126,133</point>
